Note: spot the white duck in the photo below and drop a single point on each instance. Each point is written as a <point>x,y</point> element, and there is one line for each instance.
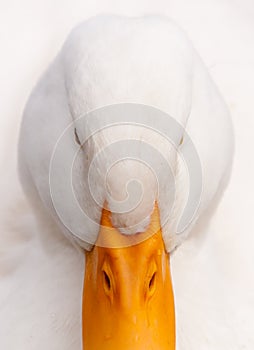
<point>122,90</point>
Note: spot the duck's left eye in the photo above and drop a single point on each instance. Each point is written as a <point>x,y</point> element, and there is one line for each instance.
<point>76,137</point>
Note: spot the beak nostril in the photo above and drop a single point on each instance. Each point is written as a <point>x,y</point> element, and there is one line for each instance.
<point>152,282</point>
<point>107,281</point>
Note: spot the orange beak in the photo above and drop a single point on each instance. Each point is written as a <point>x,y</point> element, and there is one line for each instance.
<point>128,300</point>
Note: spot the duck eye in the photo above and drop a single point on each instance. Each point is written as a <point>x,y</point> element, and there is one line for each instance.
<point>76,137</point>
<point>107,282</point>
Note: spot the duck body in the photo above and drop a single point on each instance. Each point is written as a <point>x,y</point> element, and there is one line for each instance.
<point>114,67</point>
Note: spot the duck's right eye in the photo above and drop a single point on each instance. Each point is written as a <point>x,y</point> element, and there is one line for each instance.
<point>76,137</point>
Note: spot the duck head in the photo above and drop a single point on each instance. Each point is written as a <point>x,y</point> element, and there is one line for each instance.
<point>128,300</point>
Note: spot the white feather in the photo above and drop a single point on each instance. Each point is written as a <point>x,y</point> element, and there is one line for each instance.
<point>110,60</point>
<point>41,273</point>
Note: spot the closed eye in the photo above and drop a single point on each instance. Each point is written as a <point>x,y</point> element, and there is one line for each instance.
<point>76,137</point>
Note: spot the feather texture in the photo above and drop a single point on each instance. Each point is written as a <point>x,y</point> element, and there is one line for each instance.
<point>108,68</point>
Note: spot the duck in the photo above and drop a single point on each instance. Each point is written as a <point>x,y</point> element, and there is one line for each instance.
<point>125,144</point>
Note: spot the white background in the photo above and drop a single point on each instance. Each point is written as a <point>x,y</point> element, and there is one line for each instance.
<point>213,274</point>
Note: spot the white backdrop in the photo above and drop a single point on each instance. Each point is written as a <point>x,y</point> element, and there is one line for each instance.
<point>208,317</point>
